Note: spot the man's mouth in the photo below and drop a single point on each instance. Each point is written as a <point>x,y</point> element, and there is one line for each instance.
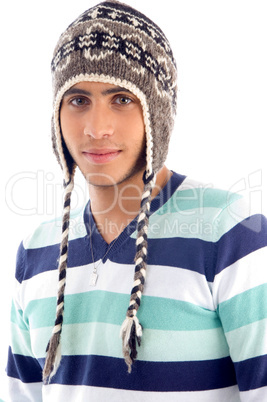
<point>98,156</point>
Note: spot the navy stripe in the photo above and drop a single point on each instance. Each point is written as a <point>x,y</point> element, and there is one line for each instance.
<point>243,239</point>
<point>110,372</point>
<point>197,255</point>
<point>251,373</point>
<point>176,252</point>
<point>24,368</point>
<point>33,261</point>
<point>192,254</point>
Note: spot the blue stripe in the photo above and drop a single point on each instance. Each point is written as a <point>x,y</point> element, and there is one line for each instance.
<point>192,254</point>
<point>24,368</point>
<point>146,376</point>
<point>110,372</point>
<point>175,252</point>
<point>251,373</point>
<point>31,262</point>
<point>243,239</point>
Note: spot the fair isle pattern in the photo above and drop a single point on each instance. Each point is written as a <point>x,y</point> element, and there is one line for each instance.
<point>128,46</point>
<point>204,322</point>
<point>127,51</point>
<point>105,11</point>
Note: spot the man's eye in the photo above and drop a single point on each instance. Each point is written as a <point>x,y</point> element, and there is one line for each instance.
<point>123,100</point>
<point>78,101</point>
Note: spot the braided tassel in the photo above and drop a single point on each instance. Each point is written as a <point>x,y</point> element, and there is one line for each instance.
<point>53,350</point>
<point>131,330</point>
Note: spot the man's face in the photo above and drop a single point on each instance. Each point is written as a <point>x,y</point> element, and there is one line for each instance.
<point>102,126</point>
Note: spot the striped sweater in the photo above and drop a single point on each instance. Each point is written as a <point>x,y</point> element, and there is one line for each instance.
<point>203,311</point>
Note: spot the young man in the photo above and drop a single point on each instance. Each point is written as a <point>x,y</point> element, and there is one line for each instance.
<point>186,264</point>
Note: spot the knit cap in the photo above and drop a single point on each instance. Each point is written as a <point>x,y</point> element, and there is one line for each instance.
<point>116,44</point>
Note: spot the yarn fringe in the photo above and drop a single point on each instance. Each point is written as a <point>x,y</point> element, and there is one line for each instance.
<point>131,332</point>
<point>53,358</point>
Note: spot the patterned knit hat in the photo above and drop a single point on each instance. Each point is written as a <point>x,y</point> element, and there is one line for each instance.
<point>113,43</point>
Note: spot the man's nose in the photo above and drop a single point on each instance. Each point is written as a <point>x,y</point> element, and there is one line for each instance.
<point>99,122</point>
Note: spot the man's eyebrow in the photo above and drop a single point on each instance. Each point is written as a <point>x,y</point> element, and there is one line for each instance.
<point>80,91</point>
<point>115,90</point>
<point>77,91</point>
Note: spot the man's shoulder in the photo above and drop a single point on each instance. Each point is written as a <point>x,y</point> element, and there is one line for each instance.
<point>200,210</point>
<point>195,195</point>
<point>48,232</point>
<point>39,251</point>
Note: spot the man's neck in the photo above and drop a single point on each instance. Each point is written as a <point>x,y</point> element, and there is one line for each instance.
<point>114,207</point>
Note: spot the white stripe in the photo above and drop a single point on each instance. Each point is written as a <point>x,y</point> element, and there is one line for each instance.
<point>162,281</point>
<point>18,391</point>
<point>58,393</point>
<point>243,275</point>
<point>248,341</point>
<point>254,395</point>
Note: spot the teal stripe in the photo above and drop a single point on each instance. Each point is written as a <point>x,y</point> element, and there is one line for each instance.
<point>183,345</point>
<point>243,309</point>
<point>103,340</point>
<point>198,199</point>
<point>17,317</point>
<point>192,213</point>
<point>21,341</point>
<point>154,313</point>
<point>49,232</point>
<point>199,224</point>
<point>248,342</point>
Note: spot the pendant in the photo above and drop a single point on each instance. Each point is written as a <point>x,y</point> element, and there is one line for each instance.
<point>93,278</point>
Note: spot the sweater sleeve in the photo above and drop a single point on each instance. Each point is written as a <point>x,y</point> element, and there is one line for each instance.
<point>23,369</point>
<point>240,294</point>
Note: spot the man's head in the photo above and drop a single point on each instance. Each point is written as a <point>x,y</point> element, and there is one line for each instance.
<point>115,44</point>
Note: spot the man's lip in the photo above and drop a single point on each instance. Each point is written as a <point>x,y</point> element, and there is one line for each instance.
<point>99,151</point>
<point>101,156</point>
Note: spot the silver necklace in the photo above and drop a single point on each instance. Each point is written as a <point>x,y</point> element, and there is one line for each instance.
<point>94,274</point>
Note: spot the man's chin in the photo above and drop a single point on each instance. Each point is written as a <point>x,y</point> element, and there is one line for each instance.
<point>108,180</point>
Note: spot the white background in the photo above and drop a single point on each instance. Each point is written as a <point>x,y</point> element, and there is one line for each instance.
<point>220,132</point>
